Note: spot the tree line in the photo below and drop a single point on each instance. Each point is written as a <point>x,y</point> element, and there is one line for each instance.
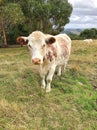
<point>21,17</point>
<point>85,34</point>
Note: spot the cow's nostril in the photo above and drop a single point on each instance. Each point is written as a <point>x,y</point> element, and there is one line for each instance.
<point>36,61</point>
<point>39,60</point>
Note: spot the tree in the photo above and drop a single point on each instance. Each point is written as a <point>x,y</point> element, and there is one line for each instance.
<point>74,36</point>
<point>10,14</point>
<point>60,13</point>
<point>89,33</point>
<point>49,16</point>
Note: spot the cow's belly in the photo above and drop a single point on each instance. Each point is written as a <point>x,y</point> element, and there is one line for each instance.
<point>61,60</point>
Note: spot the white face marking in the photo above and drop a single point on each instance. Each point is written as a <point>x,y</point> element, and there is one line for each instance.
<point>37,48</point>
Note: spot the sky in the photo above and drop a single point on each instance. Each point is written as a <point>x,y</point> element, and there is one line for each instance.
<point>84,14</point>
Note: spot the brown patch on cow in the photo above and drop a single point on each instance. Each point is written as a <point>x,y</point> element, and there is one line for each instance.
<point>21,41</point>
<point>50,56</point>
<point>64,46</point>
<point>52,52</point>
<point>64,49</point>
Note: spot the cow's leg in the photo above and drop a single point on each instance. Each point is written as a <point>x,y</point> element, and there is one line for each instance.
<point>42,75</point>
<point>64,66</point>
<point>49,78</point>
<point>43,84</point>
<point>59,70</point>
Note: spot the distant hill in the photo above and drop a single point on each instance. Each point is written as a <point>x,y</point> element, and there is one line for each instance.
<point>74,31</point>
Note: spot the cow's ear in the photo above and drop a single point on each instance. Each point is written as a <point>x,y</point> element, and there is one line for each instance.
<point>50,40</point>
<point>22,40</point>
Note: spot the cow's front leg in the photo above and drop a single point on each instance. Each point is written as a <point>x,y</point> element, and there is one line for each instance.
<point>42,75</point>
<point>49,78</point>
<point>59,70</point>
<point>43,84</point>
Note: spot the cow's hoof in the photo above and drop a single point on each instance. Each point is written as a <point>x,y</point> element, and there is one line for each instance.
<point>58,74</point>
<point>43,87</point>
<point>48,90</point>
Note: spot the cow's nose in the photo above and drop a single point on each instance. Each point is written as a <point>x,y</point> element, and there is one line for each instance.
<point>36,61</point>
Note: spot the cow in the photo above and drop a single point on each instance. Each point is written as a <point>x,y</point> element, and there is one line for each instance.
<point>48,52</point>
<point>88,40</point>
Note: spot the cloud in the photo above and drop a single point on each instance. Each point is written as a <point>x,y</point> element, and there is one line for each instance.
<point>84,14</point>
<point>85,11</point>
<point>83,4</point>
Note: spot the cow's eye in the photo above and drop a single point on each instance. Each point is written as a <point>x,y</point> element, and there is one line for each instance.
<point>43,45</point>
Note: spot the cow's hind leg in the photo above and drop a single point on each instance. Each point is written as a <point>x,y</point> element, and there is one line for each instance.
<point>61,69</point>
<point>49,78</point>
<point>64,67</point>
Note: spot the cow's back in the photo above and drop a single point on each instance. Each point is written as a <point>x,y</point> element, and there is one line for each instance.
<point>64,45</point>
<point>63,38</point>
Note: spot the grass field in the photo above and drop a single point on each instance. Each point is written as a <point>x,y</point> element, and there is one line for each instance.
<point>72,103</point>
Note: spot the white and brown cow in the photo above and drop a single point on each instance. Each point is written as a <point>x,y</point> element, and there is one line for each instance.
<point>48,52</point>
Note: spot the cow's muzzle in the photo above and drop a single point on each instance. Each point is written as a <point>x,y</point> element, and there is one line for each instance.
<point>36,61</point>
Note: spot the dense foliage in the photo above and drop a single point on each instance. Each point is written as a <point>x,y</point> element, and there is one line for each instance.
<point>85,34</point>
<point>89,33</point>
<point>10,15</point>
<point>49,16</point>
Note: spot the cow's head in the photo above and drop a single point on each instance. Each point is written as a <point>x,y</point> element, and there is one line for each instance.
<point>37,43</point>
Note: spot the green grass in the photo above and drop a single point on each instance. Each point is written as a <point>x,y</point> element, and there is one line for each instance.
<point>72,103</point>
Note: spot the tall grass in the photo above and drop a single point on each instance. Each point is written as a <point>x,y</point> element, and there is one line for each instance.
<point>72,103</point>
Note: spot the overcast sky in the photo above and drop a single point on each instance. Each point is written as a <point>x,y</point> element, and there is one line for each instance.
<point>84,14</point>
